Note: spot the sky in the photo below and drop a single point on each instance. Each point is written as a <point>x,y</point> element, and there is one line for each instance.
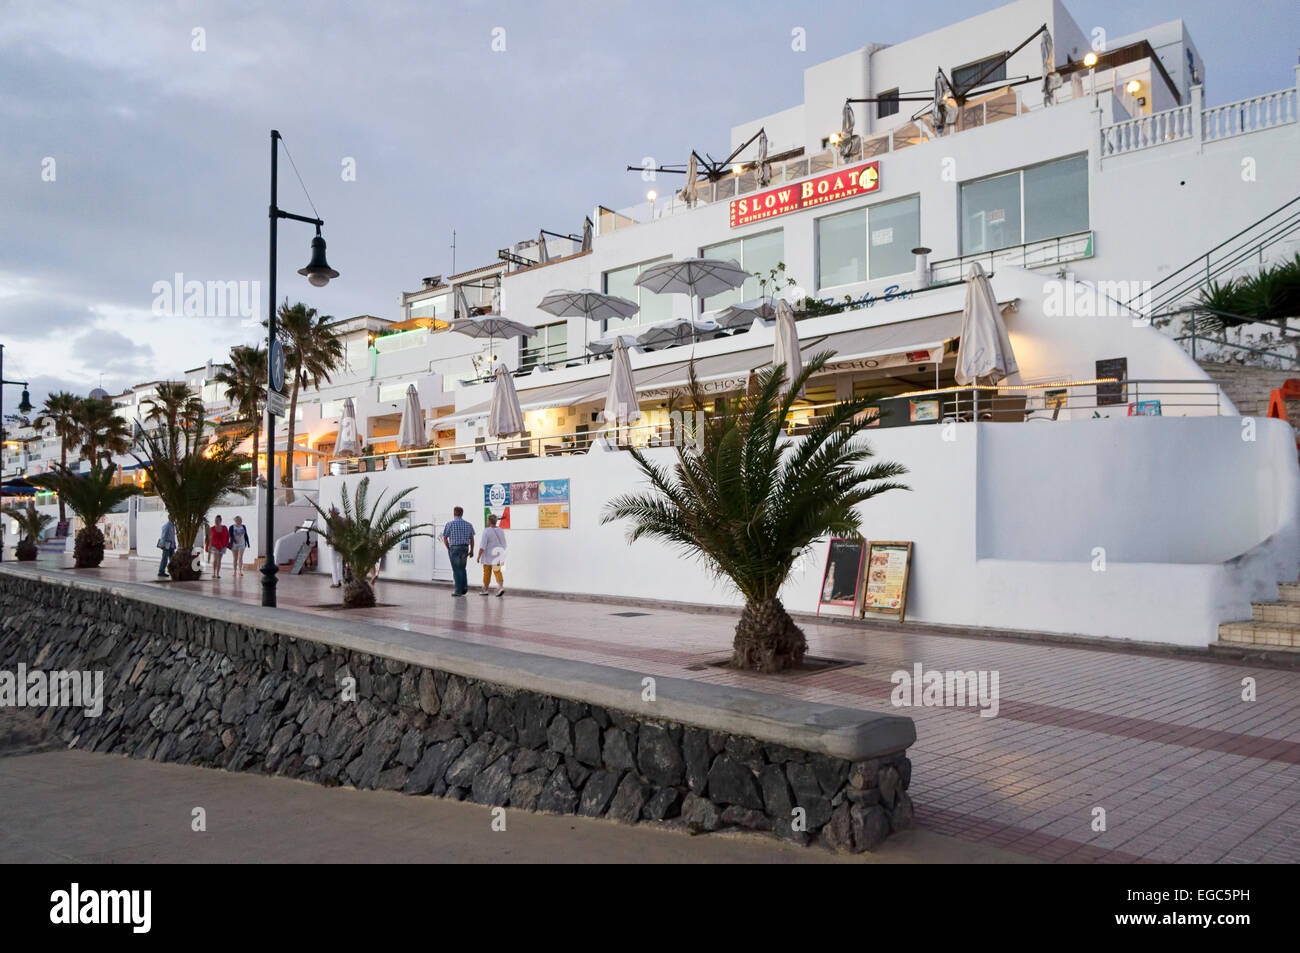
<point>134,140</point>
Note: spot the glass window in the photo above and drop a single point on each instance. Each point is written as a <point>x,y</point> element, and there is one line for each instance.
<point>548,346</point>
<point>439,307</point>
<point>894,230</point>
<point>842,249</point>
<point>757,254</point>
<point>887,104</point>
<point>964,77</point>
<point>1056,198</point>
<point>990,213</point>
<point>654,307</point>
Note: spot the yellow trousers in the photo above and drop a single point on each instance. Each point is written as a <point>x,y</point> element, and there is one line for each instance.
<point>487,575</point>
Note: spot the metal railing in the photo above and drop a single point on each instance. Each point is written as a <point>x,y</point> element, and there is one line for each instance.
<point>1039,254</point>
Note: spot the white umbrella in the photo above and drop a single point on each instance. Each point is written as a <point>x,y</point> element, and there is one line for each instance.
<point>742,315</point>
<point>764,167</point>
<point>785,346</point>
<point>848,141</point>
<point>676,331</point>
<point>411,433</point>
<point>690,191</point>
<point>697,277</point>
<point>542,256</point>
<point>603,345</point>
<point>586,235</point>
<point>505,418</point>
<point>984,355</point>
<point>588,304</point>
<point>492,326</point>
<point>347,443</point>
<point>620,399</point>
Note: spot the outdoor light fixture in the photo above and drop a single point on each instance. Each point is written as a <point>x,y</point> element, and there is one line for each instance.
<point>25,405</point>
<point>651,196</point>
<point>1132,87</point>
<point>318,271</point>
<point>1090,60</point>
<point>738,168</point>
<point>834,139</point>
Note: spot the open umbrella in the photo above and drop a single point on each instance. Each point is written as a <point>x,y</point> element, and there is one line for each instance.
<point>491,326</point>
<point>588,304</point>
<point>411,433</point>
<point>697,277</point>
<point>743,315</point>
<point>785,346</point>
<point>505,418</point>
<point>676,331</point>
<point>984,356</point>
<point>347,443</point>
<point>605,344</point>
<point>620,399</point>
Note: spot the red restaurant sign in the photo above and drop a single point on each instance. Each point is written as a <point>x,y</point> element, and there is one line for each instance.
<point>831,187</point>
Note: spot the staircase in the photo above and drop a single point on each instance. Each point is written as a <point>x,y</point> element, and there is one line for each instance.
<point>1275,626</point>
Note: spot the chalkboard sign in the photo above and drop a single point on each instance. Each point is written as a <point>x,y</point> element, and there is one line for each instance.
<point>842,577</point>
<point>1116,367</point>
<point>888,567</point>
<point>301,559</point>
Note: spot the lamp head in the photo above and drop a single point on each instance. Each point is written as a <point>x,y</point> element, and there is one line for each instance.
<point>25,405</point>
<point>318,271</point>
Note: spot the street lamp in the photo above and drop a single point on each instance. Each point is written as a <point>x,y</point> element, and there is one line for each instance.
<point>24,407</point>
<point>319,273</point>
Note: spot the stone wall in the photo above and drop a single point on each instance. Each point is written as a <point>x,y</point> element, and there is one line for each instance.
<point>187,688</point>
<point>1248,387</point>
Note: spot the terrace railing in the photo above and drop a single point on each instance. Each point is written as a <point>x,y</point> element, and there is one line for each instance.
<point>1039,254</point>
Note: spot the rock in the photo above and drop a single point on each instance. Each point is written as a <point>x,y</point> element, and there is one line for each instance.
<point>408,753</point>
<point>558,796</point>
<point>700,814</point>
<point>428,693</point>
<point>778,802</point>
<point>698,757</point>
<point>586,742</point>
<point>870,827</point>
<point>747,751</point>
<point>862,774</point>
<point>887,781</point>
<point>578,773</point>
<point>464,768</point>
<point>730,782</point>
<point>525,760</point>
<point>658,757</point>
<point>500,717</point>
<point>904,766</point>
<point>629,800</point>
<point>393,779</point>
<point>863,798</point>
<point>597,792</point>
<point>664,803</point>
<point>900,818</point>
<point>617,753</point>
<point>838,834</point>
<point>559,735</point>
<point>737,816</point>
<point>233,706</point>
<point>831,773</point>
<point>526,788</point>
<point>492,784</point>
<point>532,716</point>
<point>803,781</point>
<point>817,811</point>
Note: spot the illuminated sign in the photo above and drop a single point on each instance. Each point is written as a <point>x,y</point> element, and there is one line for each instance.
<point>831,187</point>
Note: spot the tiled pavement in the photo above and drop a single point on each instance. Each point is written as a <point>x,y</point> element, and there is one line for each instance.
<point>1183,767</point>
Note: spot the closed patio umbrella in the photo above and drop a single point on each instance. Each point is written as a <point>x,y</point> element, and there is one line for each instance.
<point>347,443</point>
<point>542,255</point>
<point>691,190</point>
<point>620,399</point>
<point>505,418</point>
<point>764,167</point>
<point>984,356</point>
<point>586,235</point>
<point>785,346</point>
<point>697,277</point>
<point>411,433</point>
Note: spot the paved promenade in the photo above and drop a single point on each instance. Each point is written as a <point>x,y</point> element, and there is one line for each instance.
<point>1184,769</point>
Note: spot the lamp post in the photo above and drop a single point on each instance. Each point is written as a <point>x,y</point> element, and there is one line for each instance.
<point>319,273</point>
<point>24,407</point>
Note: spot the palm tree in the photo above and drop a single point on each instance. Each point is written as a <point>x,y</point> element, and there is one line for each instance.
<point>363,537</point>
<point>311,353</point>
<point>92,496</point>
<point>245,382</point>
<point>191,473</point>
<point>176,405</point>
<point>32,523</point>
<point>63,409</point>
<point>749,501</point>
<point>100,431</point>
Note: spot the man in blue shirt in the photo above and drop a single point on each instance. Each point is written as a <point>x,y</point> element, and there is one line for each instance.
<point>167,543</point>
<point>458,537</point>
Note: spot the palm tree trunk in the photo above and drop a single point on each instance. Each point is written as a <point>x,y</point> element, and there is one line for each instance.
<point>63,461</point>
<point>767,640</point>
<point>257,432</point>
<point>287,478</point>
<point>357,594</point>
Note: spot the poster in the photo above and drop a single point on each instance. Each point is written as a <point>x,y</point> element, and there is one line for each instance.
<point>553,516</point>
<point>553,491</point>
<point>1117,393</point>
<point>523,493</point>
<point>887,571</point>
<point>842,577</point>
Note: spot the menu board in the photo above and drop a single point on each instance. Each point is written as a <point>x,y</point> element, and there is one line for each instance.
<point>1116,367</point>
<point>842,577</point>
<point>888,564</point>
<point>529,504</point>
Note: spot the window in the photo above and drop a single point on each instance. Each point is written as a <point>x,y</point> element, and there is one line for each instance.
<point>548,346</point>
<point>868,243</point>
<point>887,104</point>
<point>654,307</point>
<point>757,254</point>
<point>964,78</point>
<point>1043,201</point>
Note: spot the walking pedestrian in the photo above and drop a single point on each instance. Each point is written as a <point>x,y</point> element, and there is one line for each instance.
<point>336,558</point>
<point>458,537</point>
<point>238,543</point>
<point>219,539</point>
<point>492,554</point>
<point>167,543</point>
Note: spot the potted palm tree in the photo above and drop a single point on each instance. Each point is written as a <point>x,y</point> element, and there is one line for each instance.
<point>191,473</point>
<point>62,410</point>
<point>749,501</point>
<point>364,536</point>
<point>92,496</point>
<point>311,353</point>
<point>31,523</point>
